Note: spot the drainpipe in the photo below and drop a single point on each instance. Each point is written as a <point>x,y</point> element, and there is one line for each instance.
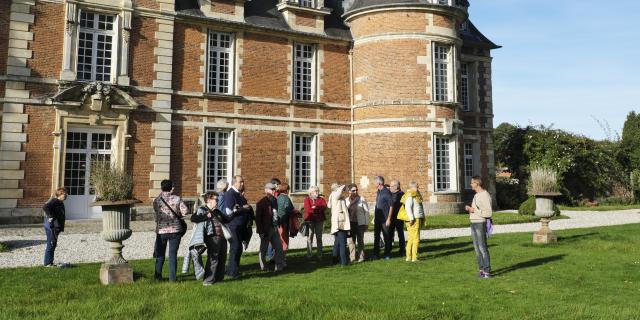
<point>353,173</point>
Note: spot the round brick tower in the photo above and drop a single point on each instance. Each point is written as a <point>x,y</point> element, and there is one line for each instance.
<point>405,99</point>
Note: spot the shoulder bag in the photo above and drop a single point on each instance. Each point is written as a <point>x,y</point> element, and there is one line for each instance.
<point>183,224</point>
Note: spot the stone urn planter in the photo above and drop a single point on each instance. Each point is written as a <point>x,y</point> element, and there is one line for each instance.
<point>544,210</point>
<point>116,216</point>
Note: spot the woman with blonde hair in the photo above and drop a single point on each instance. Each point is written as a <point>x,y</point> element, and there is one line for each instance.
<point>340,224</point>
<point>415,214</point>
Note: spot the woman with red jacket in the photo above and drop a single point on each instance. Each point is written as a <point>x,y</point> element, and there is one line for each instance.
<point>314,208</point>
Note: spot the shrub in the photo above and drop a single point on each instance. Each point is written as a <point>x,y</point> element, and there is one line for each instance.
<point>110,183</point>
<point>528,208</point>
<point>543,181</point>
<point>510,193</point>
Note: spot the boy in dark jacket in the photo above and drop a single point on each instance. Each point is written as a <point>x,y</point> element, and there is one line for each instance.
<point>54,218</point>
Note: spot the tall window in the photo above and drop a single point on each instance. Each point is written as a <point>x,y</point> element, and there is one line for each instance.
<point>304,82</point>
<point>95,46</point>
<point>442,70</point>
<point>220,65</point>
<point>464,87</point>
<point>468,164</point>
<point>306,3</point>
<point>304,162</point>
<point>445,164</point>
<point>219,152</point>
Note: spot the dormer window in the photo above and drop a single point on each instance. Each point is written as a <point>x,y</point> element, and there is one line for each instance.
<point>464,26</point>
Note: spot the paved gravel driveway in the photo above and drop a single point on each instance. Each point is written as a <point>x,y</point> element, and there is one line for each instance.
<point>81,242</point>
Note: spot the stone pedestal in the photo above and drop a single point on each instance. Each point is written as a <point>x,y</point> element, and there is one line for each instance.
<point>545,234</point>
<point>116,273</point>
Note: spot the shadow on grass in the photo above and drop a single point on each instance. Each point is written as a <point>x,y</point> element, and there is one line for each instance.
<point>577,236</point>
<point>528,264</point>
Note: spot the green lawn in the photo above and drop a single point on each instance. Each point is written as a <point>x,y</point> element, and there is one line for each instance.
<point>462,220</point>
<point>602,208</point>
<point>589,274</point>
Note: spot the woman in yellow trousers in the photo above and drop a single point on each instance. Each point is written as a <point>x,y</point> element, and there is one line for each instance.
<point>415,215</point>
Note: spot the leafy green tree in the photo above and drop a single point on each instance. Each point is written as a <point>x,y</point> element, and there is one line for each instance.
<point>630,156</point>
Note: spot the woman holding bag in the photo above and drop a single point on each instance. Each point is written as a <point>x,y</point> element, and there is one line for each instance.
<point>213,238</point>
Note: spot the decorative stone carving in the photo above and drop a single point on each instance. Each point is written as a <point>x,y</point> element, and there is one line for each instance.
<point>98,96</point>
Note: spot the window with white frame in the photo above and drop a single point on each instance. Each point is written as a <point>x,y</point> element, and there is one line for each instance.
<point>441,72</point>
<point>96,46</point>
<point>445,164</point>
<point>220,62</point>
<point>469,164</point>
<point>306,3</point>
<point>444,2</point>
<point>304,73</point>
<point>464,87</point>
<point>304,162</point>
<point>219,157</point>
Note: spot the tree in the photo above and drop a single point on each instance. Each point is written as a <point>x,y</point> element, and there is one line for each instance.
<point>631,142</point>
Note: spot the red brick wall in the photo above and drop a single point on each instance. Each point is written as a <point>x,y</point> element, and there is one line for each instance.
<point>337,160</point>
<point>5,10</point>
<point>336,70</point>
<point>264,67</point>
<point>223,6</point>
<point>443,21</point>
<point>186,103</point>
<point>391,111</point>
<point>390,70</point>
<point>150,4</point>
<point>39,155</point>
<point>306,20</point>
<point>186,57</point>
<point>264,109</point>
<point>47,44</point>
<point>184,160</point>
<point>388,22</point>
<point>139,153</point>
<point>141,58</point>
<point>262,156</point>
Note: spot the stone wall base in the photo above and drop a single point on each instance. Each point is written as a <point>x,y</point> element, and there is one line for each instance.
<point>116,273</point>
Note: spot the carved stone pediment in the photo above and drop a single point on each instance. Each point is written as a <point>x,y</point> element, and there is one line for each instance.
<point>94,97</point>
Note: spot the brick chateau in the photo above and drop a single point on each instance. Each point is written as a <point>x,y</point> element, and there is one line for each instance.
<point>310,91</point>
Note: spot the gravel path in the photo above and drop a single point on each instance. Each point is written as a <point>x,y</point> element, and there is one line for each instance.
<point>81,242</point>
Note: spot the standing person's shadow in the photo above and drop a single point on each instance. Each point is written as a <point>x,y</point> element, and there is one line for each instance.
<point>528,264</point>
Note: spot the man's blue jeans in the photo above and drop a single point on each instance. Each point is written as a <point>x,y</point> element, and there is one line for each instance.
<point>235,250</point>
<point>52,242</point>
<point>160,250</point>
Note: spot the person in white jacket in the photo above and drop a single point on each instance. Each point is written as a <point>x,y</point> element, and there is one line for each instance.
<point>359,217</point>
<point>479,211</point>
<point>340,224</point>
<point>415,212</point>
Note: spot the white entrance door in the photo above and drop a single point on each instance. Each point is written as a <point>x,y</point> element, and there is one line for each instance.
<point>82,147</point>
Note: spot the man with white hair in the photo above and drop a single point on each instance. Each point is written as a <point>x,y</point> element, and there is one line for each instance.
<point>221,187</point>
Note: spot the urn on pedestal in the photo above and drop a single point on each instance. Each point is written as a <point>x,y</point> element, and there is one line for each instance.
<point>113,189</point>
<point>543,185</point>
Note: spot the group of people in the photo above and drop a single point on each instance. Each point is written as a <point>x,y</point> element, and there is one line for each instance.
<point>225,219</point>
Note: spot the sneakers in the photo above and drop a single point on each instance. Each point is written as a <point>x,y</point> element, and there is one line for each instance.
<point>206,284</point>
<point>387,258</point>
<point>485,275</point>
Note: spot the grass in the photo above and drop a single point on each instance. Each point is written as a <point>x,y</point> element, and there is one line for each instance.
<point>3,247</point>
<point>462,220</point>
<point>589,274</point>
<point>602,207</point>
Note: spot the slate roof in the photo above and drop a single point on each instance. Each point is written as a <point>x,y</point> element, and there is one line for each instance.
<point>264,13</point>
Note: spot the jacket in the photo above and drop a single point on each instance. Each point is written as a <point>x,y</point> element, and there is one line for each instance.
<point>339,213</point>
<point>233,198</point>
<point>264,214</point>
<point>362,210</point>
<point>54,209</point>
<point>413,205</point>
<point>482,203</point>
<point>166,221</point>
<point>317,214</point>
<point>203,226</point>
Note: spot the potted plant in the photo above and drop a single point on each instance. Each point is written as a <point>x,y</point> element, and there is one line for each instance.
<point>543,185</point>
<point>114,193</point>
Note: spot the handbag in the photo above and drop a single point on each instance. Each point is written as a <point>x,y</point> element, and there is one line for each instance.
<point>183,224</point>
<point>225,230</point>
<point>304,229</point>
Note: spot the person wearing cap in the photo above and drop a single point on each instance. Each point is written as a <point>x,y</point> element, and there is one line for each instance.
<point>340,224</point>
<point>266,227</point>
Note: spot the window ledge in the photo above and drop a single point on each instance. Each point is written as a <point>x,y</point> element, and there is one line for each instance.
<point>222,96</point>
<point>296,7</point>
<point>308,103</point>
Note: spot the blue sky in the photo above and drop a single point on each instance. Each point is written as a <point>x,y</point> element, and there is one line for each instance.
<point>563,62</point>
